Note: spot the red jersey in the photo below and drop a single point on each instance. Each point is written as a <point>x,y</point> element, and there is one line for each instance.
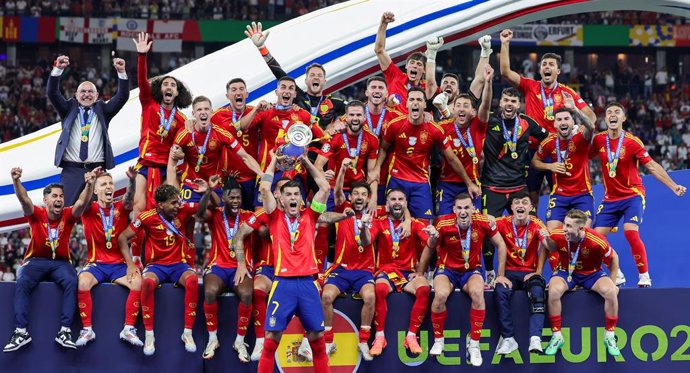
<point>336,150</point>
<point>534,102</point>
<point>477,132</point>
<point>398,82</point>
<point>626,182</point>
<point>516,260</point>
<point>165,246</point>
<point>349,254</point>
<point>451,238</point>
<point>593,249</point>
<point>273,125</point>
<point>262,249</point>
<point>94,233</point>
<point>298,259</point>
<point>39,247</point>
<point>226,118</point>
<point>411,146</point>
<point>575,154</point>
<point>219,140</point>
<point>406,257</point>
<point>220,247</point>
<point>155,142</point>
<point>378,127</point>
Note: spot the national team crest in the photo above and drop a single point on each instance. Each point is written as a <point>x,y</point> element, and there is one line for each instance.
<point>294,118</point>
<point>412,140</point>
<point>323,109</point>
<point>456,142</point>
<point>475,236</point>
<point>212,144</point>
<point>423,136</point>
<point>585,252</point>
<point>363,148</point>
<point>571,147</point>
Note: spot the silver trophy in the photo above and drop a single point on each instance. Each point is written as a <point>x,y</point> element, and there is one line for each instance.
<point>298,139</point>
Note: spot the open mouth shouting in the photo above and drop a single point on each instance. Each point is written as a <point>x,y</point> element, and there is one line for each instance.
<point>168,96</point>
<point>286,98</point>
<point>463,219</point>
<point>564,130</point>
<point>413,74</point>
<point>108,195</point>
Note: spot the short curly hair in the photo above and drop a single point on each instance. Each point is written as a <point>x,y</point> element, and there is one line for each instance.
<point>184,96</point>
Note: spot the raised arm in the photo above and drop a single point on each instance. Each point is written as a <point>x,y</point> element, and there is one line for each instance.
<point>380,44</point>
<point>247,120</point>
<point>128,199</point>
<point>487,93</point>
<point>209,199</point>
<point>433,44</point>
<point>269,201</point>
<point>20,191</point>
<point>56,98</point>
<point>84,199</point>
<point>321,196</point>
<point>122,95</point>
<point>143,45</point>
<point>477,84</point>
<point>585,120</point>
<point>660,174</point>
<point>338,193</point>
<point>511,76</point>
<point>248,160</point>
<point>176,154</point>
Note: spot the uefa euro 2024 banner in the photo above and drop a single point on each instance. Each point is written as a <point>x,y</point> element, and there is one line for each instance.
<point>545,35</point>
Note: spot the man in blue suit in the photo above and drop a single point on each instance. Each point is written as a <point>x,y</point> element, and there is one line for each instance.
<point>84,143</point>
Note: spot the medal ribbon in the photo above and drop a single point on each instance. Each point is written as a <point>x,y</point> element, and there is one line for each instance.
<point>108,222</point>
<point>292,227</point>
<point>166,123</point>
<point>547,101</point>
<point>314,110</point>
<point>86,126</point>
<point>571,265</point>
<point>564,156</point>
<point>379,125</point>
<point>613,160</point>
<point>521,243</point>
<point>465,243</point>
<point>201,150</point>
<point>511,140</point>
<point>53,236</point>
<point>230,233</point>
<point>357,223</point>
<point>395,236</point>
<point>172,228</point>
<point>354,153</point>
<point>236,118</point>
<point>469,145</point>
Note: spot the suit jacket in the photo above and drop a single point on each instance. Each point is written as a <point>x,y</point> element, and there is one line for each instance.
<point>69,110</point>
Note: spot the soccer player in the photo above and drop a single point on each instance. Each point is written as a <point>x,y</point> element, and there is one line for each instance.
<point>398,268</point>
<point>505,156</point>
<point>542,98</point>
<point>103,221</point>
<point>465,133</point>
<point>47,256</point>
<point>354,265</point>
<point>581,251</point>
<point>161,101</point>
<point>459,266</point>
<point>358,144</point>
<point>569,151</point>
<point>204,148</point>
<point>227,267</point>
<point>412,139</point>
<point>398,82</point>
<point>166,261</point>
<point>235,117</point>
<point>620,152</point>
<point>323,108</point>
<point>524,262</point>
<point>294,291</point>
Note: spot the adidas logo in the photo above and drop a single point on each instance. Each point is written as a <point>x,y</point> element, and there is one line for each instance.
<point>402,136</point>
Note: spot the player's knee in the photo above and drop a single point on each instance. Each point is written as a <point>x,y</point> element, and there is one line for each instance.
<point>327,298</point>
<point>502,292</point>
<point>135,284</point>
<point>368,297</point>
<point>609,292</point>
<point>245,296</point>
<point>84,284</point>
<point>477,294</point>
<point>210,294</point>
<point>441,296</point>
<point>148,284</point>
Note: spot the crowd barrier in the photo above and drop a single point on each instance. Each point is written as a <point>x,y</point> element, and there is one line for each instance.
<point>653,335</point>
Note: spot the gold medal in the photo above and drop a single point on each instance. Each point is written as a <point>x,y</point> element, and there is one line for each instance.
<point>85,138</point>
<point>514,155</point>
<point>475,160</point>
<point>108,245</point>
<point>360,249</point>
<point>467,265</point>
<point>570,278</point>
<point>612,174</point>
<point>239,133</point>
<point>196,169</point>
<point>232,254</point>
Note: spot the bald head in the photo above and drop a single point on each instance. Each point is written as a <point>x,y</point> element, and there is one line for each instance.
<point>87,94</point>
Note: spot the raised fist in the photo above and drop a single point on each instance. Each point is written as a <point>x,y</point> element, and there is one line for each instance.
<point>62,62</point>
<point>119,64</point>
<point>387,18</point>
<point>506,36</point>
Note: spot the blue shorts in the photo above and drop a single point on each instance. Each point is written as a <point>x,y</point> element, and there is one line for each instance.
<point>330,204</point>
<point>560,205</point>
<point>105,272</point>
<point>586,281</point>
<point>535,177</point>
<point>168,272</point>
<point>445,196</point>
<point>276,177</point>
<point>458,279</point>
<point>419,200</point>
<point>349,279</point>
<point>381,195</point>
<point>266,271</point>
<point>225,274</point>
<point>292,296</point>
<point>398,283</point>
<point>144,171</point>
<point>190,195</point>
<point>610,213</point>
<point>248,191</point>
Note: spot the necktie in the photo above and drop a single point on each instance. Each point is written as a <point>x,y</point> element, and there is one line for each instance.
<point>84,148</point>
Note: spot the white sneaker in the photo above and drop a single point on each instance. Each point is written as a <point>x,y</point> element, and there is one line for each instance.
<point>535,345</point>
<point>258,349</point>
<point>330,349</point>
<point>149,345</point>
<point>129,334</point>
<point>437,348</point>
<point>241,349</point>
<point>474,355</point>
<point>305,350</point>
<point>211,348</point>
<point>19,340</point>
<point>188,340</point>
<point>85,336</point>
<point>645,281</point>
<point>509,345</point>
<point>620,279</point>
<point>364,349</point>
<point>490,278</point>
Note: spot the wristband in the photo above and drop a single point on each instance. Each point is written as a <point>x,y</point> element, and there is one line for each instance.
<point>267,178</point>
<point>318,207</point>
<point>263,50</point>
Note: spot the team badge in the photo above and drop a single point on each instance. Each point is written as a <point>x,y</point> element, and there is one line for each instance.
<point>456,142</point>
<point>252,220</point>
<point>212,144</point>
<point>137,223</point>
<point>323,109</point>
<point>475,236</point>
<point>412,140</point>
<point>423,137</point>
<point>585,252</point>
<point>272,321</point>
<point>326,148</point>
